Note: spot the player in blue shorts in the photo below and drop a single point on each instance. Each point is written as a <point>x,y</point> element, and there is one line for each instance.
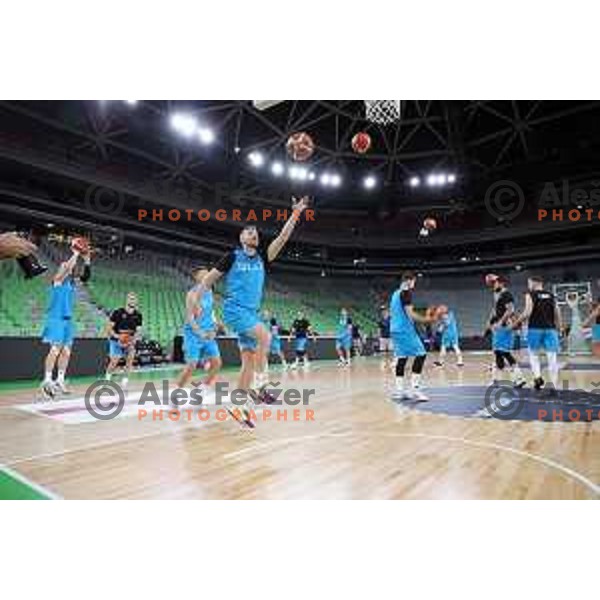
<point>244,272</point>
<point>343,339</point>
<point>543,325</point>
<point>593,320</point>
<point>502,333</point>
<point>59,329</point>
<point>199,332</point>
<point>448,327</point>
<point>276,349</point>
<point>406,339</point>
<point>124,330</point>
<point>301,330</point>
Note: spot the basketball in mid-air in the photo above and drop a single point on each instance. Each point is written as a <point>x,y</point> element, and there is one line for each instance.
<point>300,146</point>
<point>430,224</point>
<point>80,244</point>
<point>361,142</point>
<point>490,279</point>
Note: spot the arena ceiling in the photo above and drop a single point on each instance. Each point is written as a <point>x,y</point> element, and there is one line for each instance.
<point>68,146</point>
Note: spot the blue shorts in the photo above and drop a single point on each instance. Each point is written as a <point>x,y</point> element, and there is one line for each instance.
<point>543,339</point>
<point>115,349</point>
<point>503,339</point>
<point>197,349</point>
<point>300,344</point>
<point>343,343</point>
<point>407,343</point>
<point>275,347</point>
<point>242,322</point>
<point>596,333</point>
<point>58,332</point>
<point>449,340</point>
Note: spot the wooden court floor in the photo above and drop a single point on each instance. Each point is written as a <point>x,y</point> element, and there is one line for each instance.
<point>356,444</point>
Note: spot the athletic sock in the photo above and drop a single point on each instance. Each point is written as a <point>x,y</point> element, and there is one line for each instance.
<point>61,376</point>
<point>48,377</point>
<point>416,380</point>
<point>534,361</point>
<point>553,368</point>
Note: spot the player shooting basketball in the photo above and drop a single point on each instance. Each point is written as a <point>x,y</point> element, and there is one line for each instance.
<point>59,329</point>
<point>244,271</point>
<point>124,330</point>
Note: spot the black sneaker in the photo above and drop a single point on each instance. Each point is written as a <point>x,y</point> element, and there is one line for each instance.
<point>538,384</point>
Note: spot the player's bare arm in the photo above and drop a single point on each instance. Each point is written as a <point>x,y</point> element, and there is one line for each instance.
<point>524,316</point>
<point>66,268</point>
<point>193,308</point>
<point>280,241</point>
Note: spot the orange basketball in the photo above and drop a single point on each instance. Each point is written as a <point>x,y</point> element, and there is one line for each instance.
<point>361,142</point>
<point>80,244</point>
<point>430,224</point>
<point>300,146</point>
<point>124,338</point>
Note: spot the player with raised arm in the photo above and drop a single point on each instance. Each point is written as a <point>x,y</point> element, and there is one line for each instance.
<point>59,329</point>
<point>243,270</point>
<point>124,329</point>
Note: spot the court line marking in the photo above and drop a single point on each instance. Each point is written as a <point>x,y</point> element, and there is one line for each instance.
<point>40,489</point>
<point>187,424</point>
<point>475,443</point>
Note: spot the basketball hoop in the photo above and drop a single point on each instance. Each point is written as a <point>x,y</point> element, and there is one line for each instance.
<point>382,112</point>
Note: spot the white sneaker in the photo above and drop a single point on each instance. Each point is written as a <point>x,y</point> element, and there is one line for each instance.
<point>485,413</point>
<point>48,391</point>
<point>419,396</point>
<point>61,387</point>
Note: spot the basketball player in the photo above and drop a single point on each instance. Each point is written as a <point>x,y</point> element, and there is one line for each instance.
<point>593,320</point>
<point>406,340</point>
<point>275,347</point>
<point>59,330</point>
<point>244,272</point>
<point>301,329</point>
<point>199,332</point>
<point>385,342</point>
<point>124,330</point>
<point>543,324</point>
<point>343,340</point>
<point>502,333</point>
<point>449,328</point>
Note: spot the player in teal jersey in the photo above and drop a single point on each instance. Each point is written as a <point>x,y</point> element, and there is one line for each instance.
<point>59,329</point>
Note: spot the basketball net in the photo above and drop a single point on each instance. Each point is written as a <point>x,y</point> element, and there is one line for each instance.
<point>382,112</point>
